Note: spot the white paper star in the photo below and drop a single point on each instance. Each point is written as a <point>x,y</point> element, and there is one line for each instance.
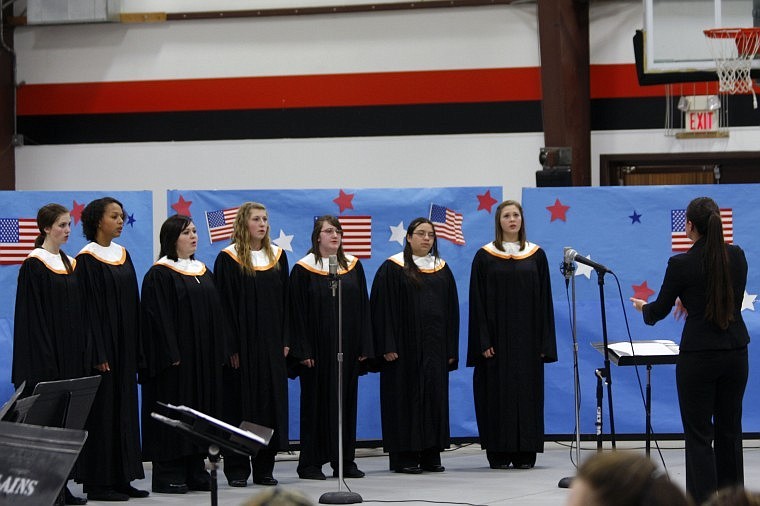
<point>284,241</point>
<point>748,302</point>
<point>398,233</point>
<point>583,269</point>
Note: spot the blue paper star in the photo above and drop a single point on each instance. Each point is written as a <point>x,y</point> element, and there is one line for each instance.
<point>635,217</point>
<point>131,220</point>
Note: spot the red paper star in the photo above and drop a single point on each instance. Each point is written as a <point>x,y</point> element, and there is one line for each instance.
<point>344,201</point>
<point>558,210</point>
<point>486,201</point>
<point>76,211</point>
<point>182,206</point>
<point>642,291</point>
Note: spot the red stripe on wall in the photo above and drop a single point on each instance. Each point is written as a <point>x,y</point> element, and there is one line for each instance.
<point>398,88</point>
<point>331,90</point>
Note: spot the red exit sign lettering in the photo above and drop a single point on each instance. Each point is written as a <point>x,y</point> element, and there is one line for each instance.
<point>701,121</point>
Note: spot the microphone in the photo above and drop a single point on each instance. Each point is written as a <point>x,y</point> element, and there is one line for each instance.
<point>332,262</point>
<point>572,256</point>
<point>568,267</point>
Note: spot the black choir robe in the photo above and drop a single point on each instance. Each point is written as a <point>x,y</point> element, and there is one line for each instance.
<point>111,454</point>
<point>511,310</point>
<point>419,322</point>
<point>49,338</point>
<point>256,307</point>
<point>182,321</point>
<point>314,334</point>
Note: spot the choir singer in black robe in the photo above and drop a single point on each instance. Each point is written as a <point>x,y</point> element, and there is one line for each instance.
<point>511,337</point>
<point>251,275</point>
<point>111,457</point>
<point>184,339</point>
<point>415,321</point>
<point>49,338</point>
<point>314,344</point>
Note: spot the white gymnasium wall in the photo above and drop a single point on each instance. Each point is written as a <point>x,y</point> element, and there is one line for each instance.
<point>459,38</point>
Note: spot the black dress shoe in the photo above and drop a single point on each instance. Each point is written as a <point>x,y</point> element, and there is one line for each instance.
<point>499,466</point>
<point>132,491</point>
<point>524,466</point>
<point>69,498</point>
<point>238,483</point>
<point>351,472</point>
<point>311,473</point>
<point>409,470</point>
<point>170,488</point>
<point>433,468</point>
<point>105,494</point>
<point>268,481</point>
<point>199,486</point>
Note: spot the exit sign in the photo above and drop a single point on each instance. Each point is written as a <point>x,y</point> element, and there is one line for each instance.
<point>701,121</point>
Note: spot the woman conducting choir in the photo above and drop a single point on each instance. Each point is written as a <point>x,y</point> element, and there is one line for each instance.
<point>511,337</point>
<point>415,317</point>
<point>111,456</point>
<point>315,343</point>
<point>712,366</point>
<point>184,339</point>
<point>251,275</point>
<point>49,338</point>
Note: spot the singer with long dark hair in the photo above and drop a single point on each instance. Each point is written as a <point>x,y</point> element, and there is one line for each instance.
<point>712,367</point>
<point>251,275</point>
<point>49,338</point>
<point>314,345</point>
<point>185,338</point>
<point>511,337</point>
<point>415,319</point>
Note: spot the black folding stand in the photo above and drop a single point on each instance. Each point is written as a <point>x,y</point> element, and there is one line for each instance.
<point>216,435</point>
<point>642,356</point>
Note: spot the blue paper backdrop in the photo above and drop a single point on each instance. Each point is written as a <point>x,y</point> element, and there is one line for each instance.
<point>629,231</point>
<point>137,237</point>
<point>293,211</point>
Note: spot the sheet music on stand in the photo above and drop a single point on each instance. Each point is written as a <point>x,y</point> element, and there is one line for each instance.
<point>648,353</point>
<point>645,352</point>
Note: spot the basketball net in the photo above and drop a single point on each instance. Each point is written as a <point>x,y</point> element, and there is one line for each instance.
<point>733,50</point>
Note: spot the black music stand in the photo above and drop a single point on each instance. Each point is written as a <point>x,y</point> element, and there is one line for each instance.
<point>648,353</point>
<point>15,409</point>
<point>63,403</point>
<point>216,435</point>
<point>35,462</point>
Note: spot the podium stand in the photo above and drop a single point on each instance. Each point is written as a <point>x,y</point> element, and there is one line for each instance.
<point>216,435</point>
<point>648,353</point>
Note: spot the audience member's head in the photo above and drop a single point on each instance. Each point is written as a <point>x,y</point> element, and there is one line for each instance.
<point>733,496</point>
<point>278,496</point>
<point>619,478</point>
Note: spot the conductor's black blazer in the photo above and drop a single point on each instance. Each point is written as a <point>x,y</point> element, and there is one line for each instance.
<point>685,278</point>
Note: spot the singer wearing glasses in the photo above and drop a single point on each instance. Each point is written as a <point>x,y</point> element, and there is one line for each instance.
<point>251,275</point>
<point>314,344</point>
<point>511,337</point>
<point>415,322</point>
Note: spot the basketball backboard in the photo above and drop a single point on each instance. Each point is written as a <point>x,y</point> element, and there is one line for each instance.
<point>673,44</point>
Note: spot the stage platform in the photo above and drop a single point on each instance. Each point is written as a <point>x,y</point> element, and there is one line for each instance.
<point>467,480</point>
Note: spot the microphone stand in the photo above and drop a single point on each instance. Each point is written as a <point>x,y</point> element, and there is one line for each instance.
<point>341,496</point>
<point>606,372</point>
<point>568,269</point>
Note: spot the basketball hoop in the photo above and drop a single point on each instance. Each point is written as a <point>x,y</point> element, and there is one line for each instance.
<point>733,50</point>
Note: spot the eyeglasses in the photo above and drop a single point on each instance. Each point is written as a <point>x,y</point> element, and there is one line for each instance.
<point>331,231</point>
<point>422,234</point>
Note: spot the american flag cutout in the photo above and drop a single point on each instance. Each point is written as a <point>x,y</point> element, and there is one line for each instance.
<point>447,223</point>
<point>357,235</point>
<point>220,224</point>
<point>17,237</point>
<point>678,240</point>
